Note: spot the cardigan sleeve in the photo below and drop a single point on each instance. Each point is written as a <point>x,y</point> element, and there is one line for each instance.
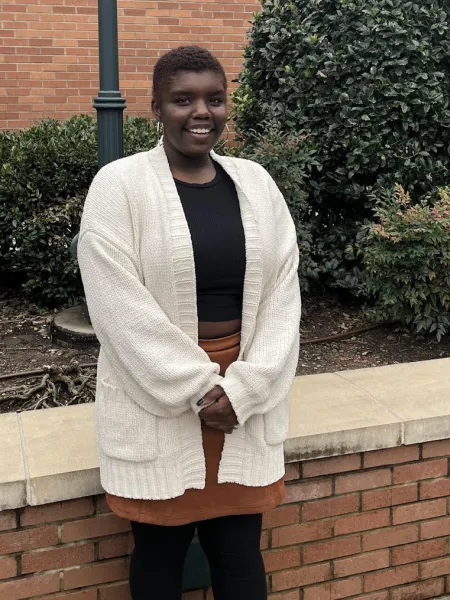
<point>262,380</point>
<point>160,366</point>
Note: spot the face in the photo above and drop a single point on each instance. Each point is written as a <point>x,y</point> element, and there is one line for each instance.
<point>193,109</point>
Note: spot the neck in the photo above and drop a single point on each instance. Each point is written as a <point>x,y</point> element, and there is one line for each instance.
<point>187,164</point>
<point>199,169</point>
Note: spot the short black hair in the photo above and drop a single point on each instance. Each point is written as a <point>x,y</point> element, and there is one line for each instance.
<point>184,58</point>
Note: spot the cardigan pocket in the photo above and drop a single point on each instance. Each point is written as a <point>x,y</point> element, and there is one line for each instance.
<point>254,429</point>
<point>124,429</point>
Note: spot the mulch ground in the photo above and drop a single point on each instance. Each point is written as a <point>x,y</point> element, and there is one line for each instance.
<point>26,345</point>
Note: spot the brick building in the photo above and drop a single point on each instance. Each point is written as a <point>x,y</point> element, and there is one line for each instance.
<point>49,55</point>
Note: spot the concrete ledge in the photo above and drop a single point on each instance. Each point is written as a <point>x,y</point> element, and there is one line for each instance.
<point>331,416</point>
<point>50,455</point>
<point>60,454</point>
<point>12,468</point>
<point>418,393</point>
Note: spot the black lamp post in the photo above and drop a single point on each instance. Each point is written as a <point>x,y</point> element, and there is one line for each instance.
<point>109,103</point>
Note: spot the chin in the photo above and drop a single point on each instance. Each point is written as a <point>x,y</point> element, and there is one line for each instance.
<point>200,150</point>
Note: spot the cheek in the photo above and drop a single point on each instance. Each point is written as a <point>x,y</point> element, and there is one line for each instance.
<point>173,118</point>
<point>221,125</point>
<point>173,131</point>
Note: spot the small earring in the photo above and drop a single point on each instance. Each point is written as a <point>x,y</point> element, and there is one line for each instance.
<point>229,132</point>
<point>160,132</point>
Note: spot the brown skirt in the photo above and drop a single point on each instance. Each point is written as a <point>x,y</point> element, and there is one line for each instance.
<point>215,500</point>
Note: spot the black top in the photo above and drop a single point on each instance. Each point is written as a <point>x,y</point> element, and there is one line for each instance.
<point>214,218</point>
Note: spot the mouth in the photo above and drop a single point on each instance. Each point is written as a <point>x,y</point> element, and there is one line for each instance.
<point>200,132</point>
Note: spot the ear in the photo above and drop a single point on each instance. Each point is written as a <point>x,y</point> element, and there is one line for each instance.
<point>155,110</point>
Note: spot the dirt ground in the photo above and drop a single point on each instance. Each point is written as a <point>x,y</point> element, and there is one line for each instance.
<point>26,345</point>
<point>323,317</point>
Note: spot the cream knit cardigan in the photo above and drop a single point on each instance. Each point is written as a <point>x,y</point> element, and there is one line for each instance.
<point>137,265</point>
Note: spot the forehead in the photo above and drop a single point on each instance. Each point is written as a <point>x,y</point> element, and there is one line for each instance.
<point>190,81</point>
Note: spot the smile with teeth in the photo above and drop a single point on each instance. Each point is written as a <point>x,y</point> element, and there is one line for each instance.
<point>200,131</point>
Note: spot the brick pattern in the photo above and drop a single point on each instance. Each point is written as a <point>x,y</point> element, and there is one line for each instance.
<point>369,526</point>
<point>49,50</point>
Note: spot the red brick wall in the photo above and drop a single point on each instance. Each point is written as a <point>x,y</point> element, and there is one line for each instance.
<point>49,57</point>
<point>371,526</point>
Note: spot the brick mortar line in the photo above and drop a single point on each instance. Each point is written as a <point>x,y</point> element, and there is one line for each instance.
<point>362,533</point>
<point>58,521</point>
<point>58,546</point>
<point>27,576</point>
<point>20,553</point>
<point>365,470</point>
<point>99,586</point>
<point>62,570</point>
<point>361,575</point>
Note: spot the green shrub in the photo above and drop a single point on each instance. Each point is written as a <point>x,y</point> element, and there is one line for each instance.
<point>333,251</point>
<point>42,167</point>
<point>406,257</point>
<point>370,81</point>
<point>289,159</point>
<point>139,135</point>
<point>45,173</point>
<point>42,252</point>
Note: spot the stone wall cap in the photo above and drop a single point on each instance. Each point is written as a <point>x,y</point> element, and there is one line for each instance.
<point>50,455</point>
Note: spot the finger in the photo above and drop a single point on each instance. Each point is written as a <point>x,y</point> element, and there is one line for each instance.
<point>211,412</point>
<point>224,405</point>
<point>212,408</point>
<point>216,424</point>
<point>207,405</point>
<point>215,413</point>
<point>219,426</point>
<point>213,394</point>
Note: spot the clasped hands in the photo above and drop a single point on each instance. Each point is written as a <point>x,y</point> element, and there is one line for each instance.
<point>220,414</point>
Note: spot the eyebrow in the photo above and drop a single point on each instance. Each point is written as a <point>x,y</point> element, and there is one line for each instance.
<point>182,92</point>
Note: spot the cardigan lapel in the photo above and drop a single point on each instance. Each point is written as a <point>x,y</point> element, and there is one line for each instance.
<point>183,265</point>
<point>253,249</point>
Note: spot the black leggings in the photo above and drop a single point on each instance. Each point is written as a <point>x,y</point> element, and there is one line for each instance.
<point>231,544</point>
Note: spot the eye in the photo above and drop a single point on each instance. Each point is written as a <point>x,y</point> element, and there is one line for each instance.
<point>216,101</point>
<point>181,101</point>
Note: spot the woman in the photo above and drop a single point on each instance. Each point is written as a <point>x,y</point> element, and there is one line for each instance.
<point>189,262</point>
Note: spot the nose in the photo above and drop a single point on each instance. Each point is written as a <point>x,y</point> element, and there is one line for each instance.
<point>201,109</point>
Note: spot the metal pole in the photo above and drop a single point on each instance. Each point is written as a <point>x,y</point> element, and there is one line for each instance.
<point>109,103</point>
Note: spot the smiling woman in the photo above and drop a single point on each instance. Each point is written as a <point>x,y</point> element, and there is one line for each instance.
<point>189,263</point>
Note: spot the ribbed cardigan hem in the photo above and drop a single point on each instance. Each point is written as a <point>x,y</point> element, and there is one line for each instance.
<point>142,480</point>
<point>156,480</point>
